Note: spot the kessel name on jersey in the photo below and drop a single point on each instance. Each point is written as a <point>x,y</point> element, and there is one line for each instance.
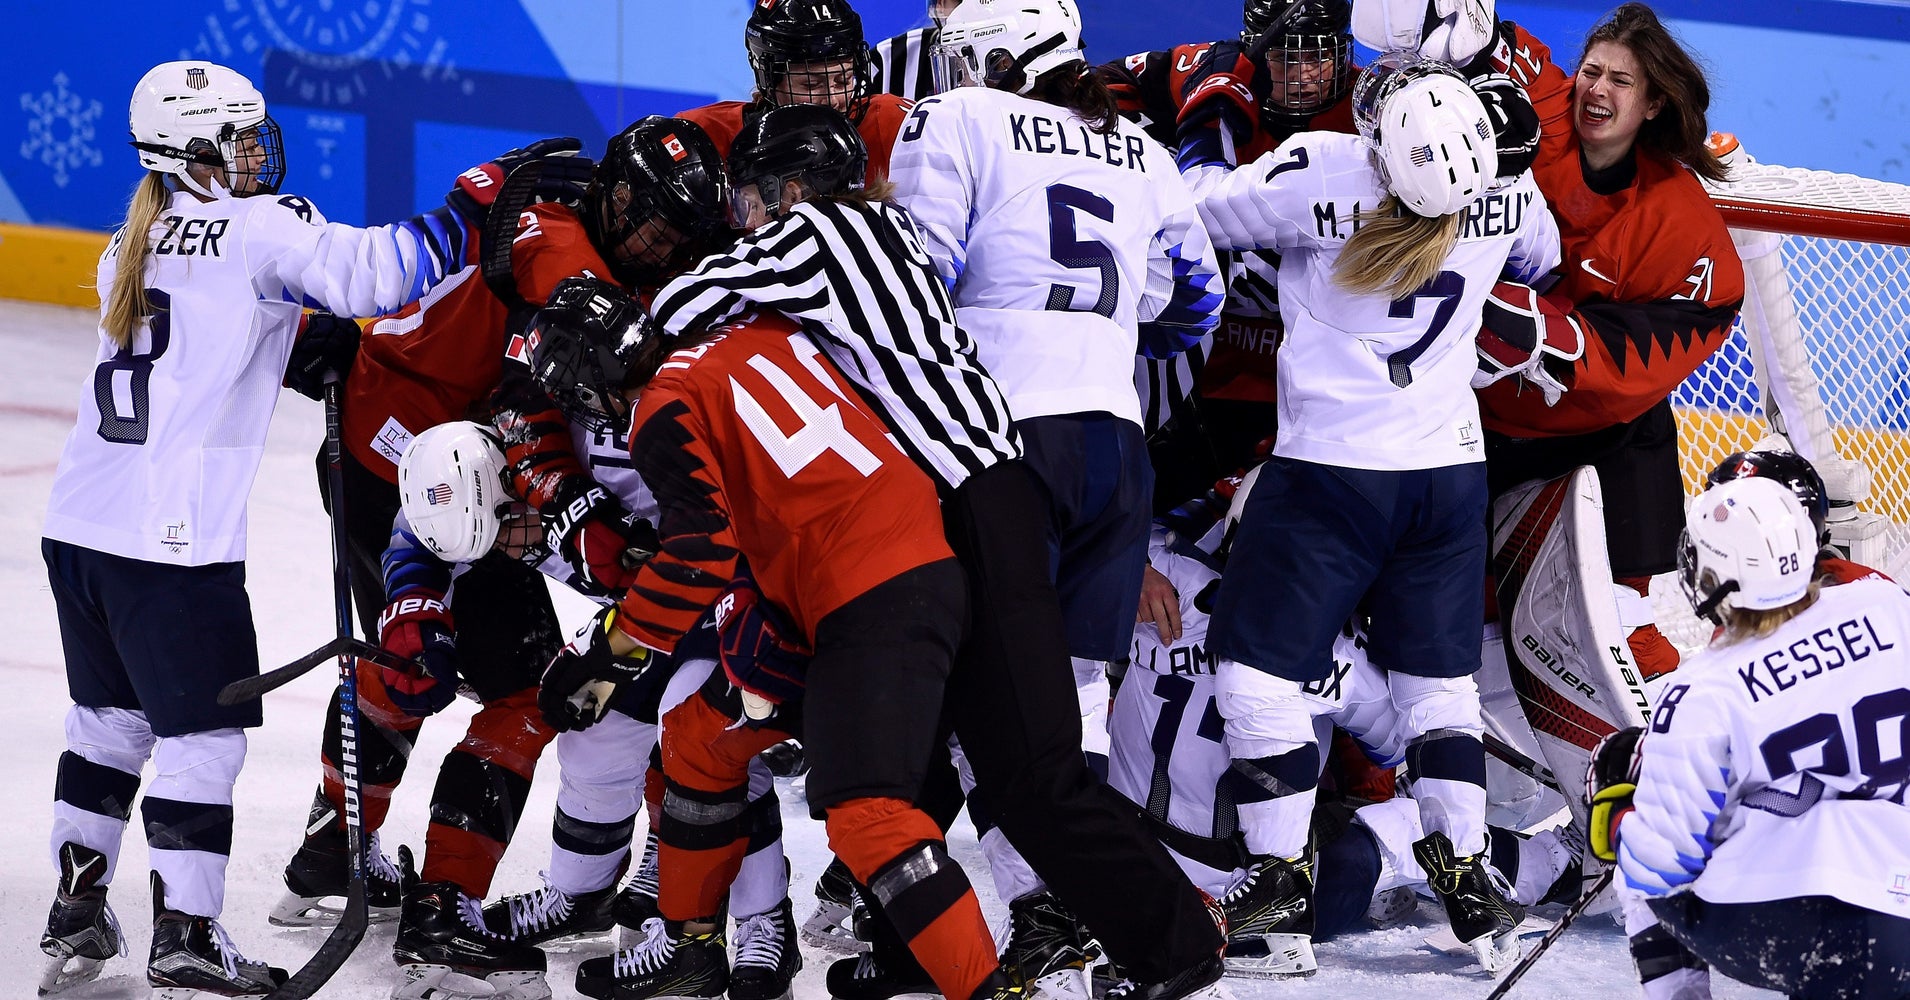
<point>1041,135</point>
<point>1498,214</point>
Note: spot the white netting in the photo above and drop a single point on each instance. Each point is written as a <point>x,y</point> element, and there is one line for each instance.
<point>1835,354</point>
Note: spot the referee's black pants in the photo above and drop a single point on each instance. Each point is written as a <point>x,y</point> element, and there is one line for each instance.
<point>1012,701</point>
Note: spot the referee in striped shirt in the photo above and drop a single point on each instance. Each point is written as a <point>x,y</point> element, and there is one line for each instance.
<point>904,63</point>
<point>853,271</point>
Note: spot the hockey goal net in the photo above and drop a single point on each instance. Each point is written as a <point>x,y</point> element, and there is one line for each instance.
<point>1819,361</point>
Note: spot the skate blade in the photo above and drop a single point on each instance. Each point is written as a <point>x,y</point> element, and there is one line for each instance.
<point>441,982</point>
<point>293,910</point>
<point>1061,984</point>
<point>828,929</point>
<point>64,973</point>
<point>1270,956</point>
<point>1494,952</point>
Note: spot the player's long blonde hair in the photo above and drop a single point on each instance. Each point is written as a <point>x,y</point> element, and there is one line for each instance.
<point>126,306</point>
<point>1746,623</point>
<point>1395,251</point>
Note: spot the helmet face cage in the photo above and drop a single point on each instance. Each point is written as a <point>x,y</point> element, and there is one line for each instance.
<point>255,153</point>
<point>1701,587</point>
<point>582,344</point>
<point>1309,73</point>
<point>658,200</point>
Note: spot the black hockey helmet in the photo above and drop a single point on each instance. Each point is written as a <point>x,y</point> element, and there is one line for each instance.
<point>1793,470</point>
<point>661,180</point>
<point>811,144</point>
<point>1309,61</point>
<point>823,38</point>
<point>582,344</point>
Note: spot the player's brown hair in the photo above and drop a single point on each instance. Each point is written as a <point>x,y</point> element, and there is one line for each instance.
<point>1078,88</point>
<point>126,305</point>
<point>1395,250</point>
<point>1680,130</point>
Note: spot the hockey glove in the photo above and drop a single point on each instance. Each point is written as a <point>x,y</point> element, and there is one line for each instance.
<point>1610,783</point>
<point>580,683</point>
<point>564,178</point>
<point>1221,95</point>
<point>417,627</point>
<point>760,649</point>
<point>1524,335</point>
<point>603,542</point>
<point>1515,124</point>
<point>325,343</point>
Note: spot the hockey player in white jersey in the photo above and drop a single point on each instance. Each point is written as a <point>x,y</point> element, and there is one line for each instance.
<point>1758,821</point>
<point>1070,244</point>
<point>201,295</point>
<point>1391,241</point>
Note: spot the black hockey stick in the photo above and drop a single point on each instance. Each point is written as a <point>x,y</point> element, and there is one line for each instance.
<point>344,938</point>
<point>1512,757</point>
<point>248,688</point>
<point>1532,957</point>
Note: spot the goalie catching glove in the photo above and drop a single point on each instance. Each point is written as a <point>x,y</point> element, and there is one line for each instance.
<point>761,650</point>
<point>1610,783</point>
<point>1452,31</point>
<point>582,680</point>
<point>1525,335</point>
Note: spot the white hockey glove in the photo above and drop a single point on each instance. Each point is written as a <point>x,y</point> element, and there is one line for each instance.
<point>1450,30</point>
<point>1524,335</point>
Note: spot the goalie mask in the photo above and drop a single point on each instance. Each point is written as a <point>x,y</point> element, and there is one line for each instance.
<point>657,200</point>
<point>1308,61</point>
<point>810,52</point>
<point>451,483</point>
<point>809,145</point>
<point>1432,141</point>
<point>582,344</point>
<point>1006,44</point>
<point>195,112</point>
<point>1747,544</point>
<point>1792,471</point>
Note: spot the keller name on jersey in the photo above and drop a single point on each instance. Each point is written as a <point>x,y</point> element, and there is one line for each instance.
<point>1827,649</point>
<point>1040,134</point>
<point>1500,213</point>
<point>191,237</point>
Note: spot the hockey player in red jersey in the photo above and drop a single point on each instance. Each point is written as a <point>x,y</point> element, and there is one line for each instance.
<point>442,360</point>
<point>810,52</point>
<point>1650,282</point>
<point>758,453</point>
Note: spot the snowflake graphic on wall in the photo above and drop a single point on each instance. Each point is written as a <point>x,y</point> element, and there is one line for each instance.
<point>61,130</point>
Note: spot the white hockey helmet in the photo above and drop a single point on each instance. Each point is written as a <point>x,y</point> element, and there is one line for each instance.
<point>194,111</point>
<point>1747,544</point>
<point>451,483</point>
<point>1431,138</point>
<point>1006,44</point>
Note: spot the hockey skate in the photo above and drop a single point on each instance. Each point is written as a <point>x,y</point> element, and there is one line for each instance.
<point>193,958</point>
<point>667,964</point>
<point>81,931</point>
<point>1200,982</point>
<point>767,957</point>
<point>318,876</point>
<point>1478,901</point>
<point>839,910</point>
<point>1047,949</point>
<point>446,951</point>
<point>1270,921</point>
<point>864,977</point>
<point>550,917</point>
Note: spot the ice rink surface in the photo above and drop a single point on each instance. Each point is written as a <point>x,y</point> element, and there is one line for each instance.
<point>49,351</point>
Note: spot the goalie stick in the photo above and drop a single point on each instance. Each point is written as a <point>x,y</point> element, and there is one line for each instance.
<point>344,938</point>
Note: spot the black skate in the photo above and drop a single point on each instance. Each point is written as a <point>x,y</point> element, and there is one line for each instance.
<point>193,958</point>
<point>667,964</point>
<point>443,944</point>
<point>998,986</point>
<point>1047,949</point>
<point>1270,921</point>
<point>767,958</point>
<point>1478,901</point>
<point>637,901</point>
<point>1201,982</point>
<point>550,916</point>
<point>839,912</point>
<point>786,760</point>
<point>863,977</point>
<point>317,878</point>
<point>81,931</point>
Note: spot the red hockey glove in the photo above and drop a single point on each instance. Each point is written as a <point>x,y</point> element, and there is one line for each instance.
<point>1525,335</point>
<point>603,542</point>
<point>582,680</point>
<point>417,627</point>
<point>1222,95</point>
<point>475,191</point>
<point>760,649</point>
<point>1610,783</point>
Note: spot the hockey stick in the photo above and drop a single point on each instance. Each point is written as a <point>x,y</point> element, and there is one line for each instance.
<point>1532,957</point>
<point>248,688</point>
<point>344,938</point>
<point>1513,758</point>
